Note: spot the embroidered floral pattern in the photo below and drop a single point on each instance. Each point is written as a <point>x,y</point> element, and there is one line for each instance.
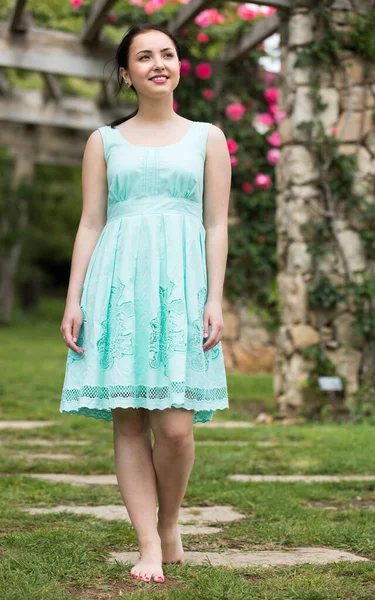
<point>116,341</point>
<point>166,335</point>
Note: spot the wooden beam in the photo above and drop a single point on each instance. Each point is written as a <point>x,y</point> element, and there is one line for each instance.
<point>54,52</point>
<point>286,4</point>
<point>52,87</point>
<point>46,145</point>
<point>5,87</point>
<point>72,112</point>
<point>261,30</point>
<point>186,13</point>
<point>93,25</point>
<point>19,20</point>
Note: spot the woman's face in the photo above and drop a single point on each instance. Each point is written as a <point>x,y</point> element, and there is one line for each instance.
<point>152,53</point>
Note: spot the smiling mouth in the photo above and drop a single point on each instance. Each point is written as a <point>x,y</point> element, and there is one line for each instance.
<point>159,77</point>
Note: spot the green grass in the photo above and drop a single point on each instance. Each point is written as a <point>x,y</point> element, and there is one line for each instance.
<point>63,556</point>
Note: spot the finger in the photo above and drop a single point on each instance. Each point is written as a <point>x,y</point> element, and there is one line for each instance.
<point>214,337</point>
<point>70,343</point>
<point>205,326</point>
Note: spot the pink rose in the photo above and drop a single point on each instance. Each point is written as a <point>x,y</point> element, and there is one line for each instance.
<point>271,95</point>
<point>266,11</point>
<point>274,139</point>
<point>279,115</point>
<point>202,37</point>
<point>265,118</point>
<point>262,181</point>
<point>203,70</point>
<point>76,3</point>
<point>219,18</point>
<point>247,187</point>
<point>207,93</point>
<point>206,17</point>
<point>269,77</point>
<point>235,111</point>
<point>149,8</point>
<point>232,145</point>
<point>273,156</point>
<point>233,161</point>
<point>185,67</point>
<point>246,13</point>
<point>273,108</point>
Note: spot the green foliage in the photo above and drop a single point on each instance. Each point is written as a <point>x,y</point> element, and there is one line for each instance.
<point>362,294</point>
<point>323,294</point>
<point>337,173</point>
<point>362,34</point>
<point>14,201</point>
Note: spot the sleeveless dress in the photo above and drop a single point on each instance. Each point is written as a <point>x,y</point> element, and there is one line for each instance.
<point>145,288</point>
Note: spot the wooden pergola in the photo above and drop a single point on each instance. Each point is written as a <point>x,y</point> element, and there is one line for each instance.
<point>51,118</point>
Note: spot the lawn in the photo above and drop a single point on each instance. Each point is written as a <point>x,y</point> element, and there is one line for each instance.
<point>64,556</point>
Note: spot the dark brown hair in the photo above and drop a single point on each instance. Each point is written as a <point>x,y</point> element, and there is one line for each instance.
<point>122,57</point>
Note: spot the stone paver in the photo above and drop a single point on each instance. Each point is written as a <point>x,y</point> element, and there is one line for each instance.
<point>74,479</point>
<point>303,478</point>
<point>226,424</point>
<point>45,455</point>
<point>25,424</point>
<point>226,443</point>
<point>42,442</point>
<point>192,519</point>
<point>260,558</point>
<point>112,480</point>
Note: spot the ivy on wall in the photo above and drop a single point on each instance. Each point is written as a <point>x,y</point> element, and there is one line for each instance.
<point>337,172</point>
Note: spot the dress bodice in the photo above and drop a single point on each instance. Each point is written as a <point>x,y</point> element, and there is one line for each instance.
<point>157,177</point>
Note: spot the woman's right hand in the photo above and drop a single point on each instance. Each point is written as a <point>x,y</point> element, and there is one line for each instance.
<point>70,326</point>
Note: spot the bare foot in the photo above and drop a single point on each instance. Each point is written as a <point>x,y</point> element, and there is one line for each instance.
<point>149,564</point>
<point>171,543</point>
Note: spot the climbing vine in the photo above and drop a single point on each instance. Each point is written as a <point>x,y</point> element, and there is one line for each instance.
<point>339,198</point>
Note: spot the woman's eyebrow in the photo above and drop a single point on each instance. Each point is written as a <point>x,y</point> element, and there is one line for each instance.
<point>162,50</point>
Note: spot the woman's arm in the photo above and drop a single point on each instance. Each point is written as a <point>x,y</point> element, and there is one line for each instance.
<point>92,222</point>
<point>217,183</point>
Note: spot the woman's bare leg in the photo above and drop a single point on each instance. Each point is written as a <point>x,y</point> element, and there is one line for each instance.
<point>173,458</point>
<point>136,479</point>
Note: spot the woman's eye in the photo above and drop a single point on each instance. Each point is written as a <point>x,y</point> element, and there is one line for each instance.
<point>167,54</point>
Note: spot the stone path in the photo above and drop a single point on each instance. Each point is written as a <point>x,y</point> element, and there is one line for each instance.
<point>260,558</point>
<point>74,479</point>
<point>111,479</point>
<point>303,478</point>
<point>261,443</point>
<point>226,424</point>
<point>42,442</point>
<point>45,455</point>
<point>192,519</point>
<point>226,443</point>
<point>25,424</point>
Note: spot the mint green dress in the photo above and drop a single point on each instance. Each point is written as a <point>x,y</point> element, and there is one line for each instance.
<point>145,288</point>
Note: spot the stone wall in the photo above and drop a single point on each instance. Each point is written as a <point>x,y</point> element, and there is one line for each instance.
<point>248,346</point>
<point>350,97</point>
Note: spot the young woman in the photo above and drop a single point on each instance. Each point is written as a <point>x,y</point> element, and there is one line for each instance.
<point>143,318</point>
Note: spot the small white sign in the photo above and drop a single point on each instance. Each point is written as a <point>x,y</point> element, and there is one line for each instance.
<point>330,384</point>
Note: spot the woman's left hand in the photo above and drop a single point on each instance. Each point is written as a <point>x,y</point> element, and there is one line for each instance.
<point>212,315</point>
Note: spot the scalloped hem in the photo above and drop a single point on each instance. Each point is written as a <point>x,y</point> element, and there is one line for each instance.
<point>200,416</point>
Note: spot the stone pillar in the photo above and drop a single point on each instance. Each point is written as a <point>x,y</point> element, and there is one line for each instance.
<point>349,97</point>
